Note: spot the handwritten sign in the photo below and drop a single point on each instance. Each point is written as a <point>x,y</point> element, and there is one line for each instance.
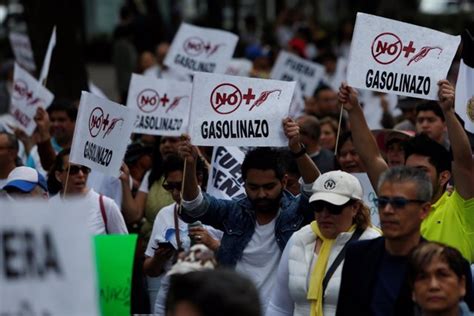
<point>101,136</point>
<point>201,49</point>
<point>238,111</point>
<point>225,181</point>
<point>27,95</point>
<point>21,47</point>
<point>114,257</point>
<point>289,67</point>
<point>46,259</point>
<point>162,106</point>
<point>400,58</point>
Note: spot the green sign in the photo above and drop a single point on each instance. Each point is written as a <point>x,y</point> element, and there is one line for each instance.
<point>114,258</point>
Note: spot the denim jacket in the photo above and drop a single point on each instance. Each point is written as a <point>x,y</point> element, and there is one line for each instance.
<point>237,220</point>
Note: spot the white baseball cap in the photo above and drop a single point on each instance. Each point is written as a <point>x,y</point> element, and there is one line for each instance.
<point>25,179</point>
<point>336,187</point>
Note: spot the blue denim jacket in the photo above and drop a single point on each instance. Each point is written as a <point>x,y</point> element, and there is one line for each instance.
<point>237,220</point>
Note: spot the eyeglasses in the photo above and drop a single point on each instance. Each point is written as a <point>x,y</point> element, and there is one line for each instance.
<point>170,186</point>
<point>75,169</point>
<point>319,206</point>
<point>396,202</point>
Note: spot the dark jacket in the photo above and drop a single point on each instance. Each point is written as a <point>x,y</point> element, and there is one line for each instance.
<point>359,273</point>
<point>237,220</point>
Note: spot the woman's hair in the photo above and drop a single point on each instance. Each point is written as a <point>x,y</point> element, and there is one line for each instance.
<point>424,254</point>
<point>54,186</point>
<point>329,121</point>
<point>362,218</point>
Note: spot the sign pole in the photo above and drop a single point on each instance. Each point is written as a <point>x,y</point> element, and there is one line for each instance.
<point>339,129</point>
<point>67,180</point>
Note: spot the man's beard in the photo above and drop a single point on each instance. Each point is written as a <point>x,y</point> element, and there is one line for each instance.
<point>266,205</point>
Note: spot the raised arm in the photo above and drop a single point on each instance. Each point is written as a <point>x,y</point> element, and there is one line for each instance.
<point>363,140</point>
<point>462,167</point>
<point>308,170</point>
<point>189,153</point>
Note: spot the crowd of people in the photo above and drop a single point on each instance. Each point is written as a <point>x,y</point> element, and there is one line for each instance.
<point>302,241</point>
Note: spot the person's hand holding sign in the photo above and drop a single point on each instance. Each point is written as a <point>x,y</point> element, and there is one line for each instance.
<point>446,95</point>
<point>348,97</point>
<point>292,132</point>
<point>42,125</point>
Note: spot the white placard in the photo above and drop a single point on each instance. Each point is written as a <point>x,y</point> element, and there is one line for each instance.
<point>369,196</point>
<point>225,179</point>
<point>102,133</point>
<point>46,260</point>
<point>464,102</point>
<point>400,58</point>
<point>238,111</point>
<point>27,95</point>
<point>47,58</point>
<point>21,47</point>
<point>239,67</point>
<point>289,67</point>
<point>201,49</point>
<point>162,106</point>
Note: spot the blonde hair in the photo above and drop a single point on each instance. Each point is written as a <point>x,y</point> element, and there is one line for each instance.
<point>362,218</point>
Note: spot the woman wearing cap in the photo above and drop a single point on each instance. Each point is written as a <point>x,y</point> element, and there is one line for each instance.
<point>309,274</point>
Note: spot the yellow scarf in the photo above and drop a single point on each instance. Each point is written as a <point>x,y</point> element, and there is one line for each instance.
<point>315,291</point>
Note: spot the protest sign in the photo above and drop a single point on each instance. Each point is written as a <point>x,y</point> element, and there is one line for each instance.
<point>102,133</point>
<point>289,67</point>
<point>27,95</point>
<point>225,179</point>
<point>238,111</point>
<point>239,67</point>
<point>47,58</point>
<point>114,258</point>
<point>369,196</point>
<point>20,44</point>
<point>201,49</point>
<point>400,58</point>
<point>297,103</point>
<point>46,259</point>
<point>162,106</point>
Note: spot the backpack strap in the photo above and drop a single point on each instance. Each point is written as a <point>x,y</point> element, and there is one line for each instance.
<point>102,211</point>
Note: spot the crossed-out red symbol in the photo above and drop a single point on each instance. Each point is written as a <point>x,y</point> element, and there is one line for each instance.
<point>194,46</point>
<point>148,100</point>
<point>387,47</point>
<point>97,121</point>
<point>20,90</point>
<point>226,98</point>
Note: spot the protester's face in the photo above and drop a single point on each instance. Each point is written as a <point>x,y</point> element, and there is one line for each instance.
<point>422,162</point>
<point>7,154</point>
<point>161,52</point>
<point>62,127</point>
<point>427,122</point>
<point>328,137</point>
<point>437,289</point>
<point>400,223</point>
<point>264,189</point>
<point>310,106</point>
<point>37,192</point>
<point>173,184</point>
<point>147,60</point>
<point>349,159</point>
<point>327,102</point>
<point>395,155</point>
<point>293,184</point>
<point>184,308</point>
<point>76,182</point>
<point>331,225</point>
<point>168,145</point>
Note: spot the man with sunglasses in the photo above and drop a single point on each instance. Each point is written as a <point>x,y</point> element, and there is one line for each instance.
<point>257,227</point>
<point>451,218</point>
<point>374,274</point>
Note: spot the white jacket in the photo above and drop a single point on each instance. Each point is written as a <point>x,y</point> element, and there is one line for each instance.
<point>294,273</point>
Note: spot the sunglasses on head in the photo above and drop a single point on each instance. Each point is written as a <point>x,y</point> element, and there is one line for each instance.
<point>170,186</point>
<point>396,202</point>
<point>319,206</point>
<point>75,169</point>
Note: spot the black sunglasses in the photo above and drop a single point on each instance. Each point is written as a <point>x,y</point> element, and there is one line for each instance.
<point>75,169</point>
<point>319,206</point>
<point>170,186</point>
<point>396,202</point>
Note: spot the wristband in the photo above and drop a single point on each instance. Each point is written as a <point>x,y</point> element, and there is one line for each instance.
<point>299,153</point>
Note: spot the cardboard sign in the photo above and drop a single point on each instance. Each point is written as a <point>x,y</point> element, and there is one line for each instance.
<point>237,111</point>
<point>102,133</point>
<point>289,67</point>
<point>369,196</point>
<point>46,259</point>
<point>114,258</point>
<point>20,44</point>
<point>201,49</point>
<point>225,179</point>
<point>47,58</point>
<point>27,95</point>
<point>162,106</point>
<point>400,58</point>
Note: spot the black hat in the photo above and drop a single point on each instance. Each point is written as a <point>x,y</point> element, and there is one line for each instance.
<point>135,151</point>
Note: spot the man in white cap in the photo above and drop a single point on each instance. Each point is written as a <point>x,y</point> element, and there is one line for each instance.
<point>26,182</point>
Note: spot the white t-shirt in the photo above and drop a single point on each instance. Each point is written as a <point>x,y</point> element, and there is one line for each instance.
<point>144,185</point>
<point>115,221</point>
<point>260,260</point>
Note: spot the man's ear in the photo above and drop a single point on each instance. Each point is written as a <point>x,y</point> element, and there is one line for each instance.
<point>425,210</point>
<point>284,181</point>
<point>57,175</point>
<point>444,177</point>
